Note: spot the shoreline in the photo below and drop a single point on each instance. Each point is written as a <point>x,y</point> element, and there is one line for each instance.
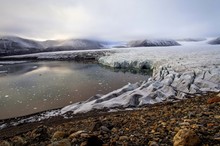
<point>71,117</point>
<point>193,113</point>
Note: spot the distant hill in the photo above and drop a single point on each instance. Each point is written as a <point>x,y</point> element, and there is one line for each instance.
<point>152,43</point>
<point>191,39</point>
<point>215,41</point>
<point>11,45</point>
<point>74,44</point>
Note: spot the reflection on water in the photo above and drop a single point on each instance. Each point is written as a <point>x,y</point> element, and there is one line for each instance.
<point>37,86</point>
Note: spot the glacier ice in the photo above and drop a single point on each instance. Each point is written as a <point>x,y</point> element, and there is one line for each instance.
<point>178,72</point>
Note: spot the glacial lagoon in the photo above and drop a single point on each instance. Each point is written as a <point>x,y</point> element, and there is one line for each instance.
<point>31,87</point>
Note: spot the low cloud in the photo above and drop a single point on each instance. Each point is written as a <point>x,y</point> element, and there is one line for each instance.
<point>110,19</point>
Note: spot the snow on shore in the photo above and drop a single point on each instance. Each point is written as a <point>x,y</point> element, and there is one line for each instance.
<point>178,72</point>
<point>11,62</point>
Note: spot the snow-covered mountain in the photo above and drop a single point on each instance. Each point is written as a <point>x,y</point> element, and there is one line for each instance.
<point>215,41</point>
<point>151,43</point>
<point>74,44</point>
<point>10,45</point>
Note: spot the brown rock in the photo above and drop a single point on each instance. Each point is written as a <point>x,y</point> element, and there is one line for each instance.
<point>210,125</point>
<point>76,134</point>
<point>83,143</point>
<point>64,142</point>
<point>84,135</point>
<point>58,135</point>
<point>5,143</point>
<point>18,141</point>
<point>186,137</point>
<point>152,143</point>
<point>123,138</point>
<point>217,116</point>
<point>213,100</point>
<point>114,130</point>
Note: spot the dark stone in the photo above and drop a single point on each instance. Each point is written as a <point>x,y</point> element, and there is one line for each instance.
<point>40,134</point>
<point>97,126</point>
<point>94,141</point>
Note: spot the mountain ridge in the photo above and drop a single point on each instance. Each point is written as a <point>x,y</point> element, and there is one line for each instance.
<point>215,41</point>
<point>15,45</point>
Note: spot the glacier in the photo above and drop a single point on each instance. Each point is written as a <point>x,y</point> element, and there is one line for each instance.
<point>179,72</point>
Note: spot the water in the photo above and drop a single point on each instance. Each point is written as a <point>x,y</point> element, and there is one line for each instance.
<point>38,86</point>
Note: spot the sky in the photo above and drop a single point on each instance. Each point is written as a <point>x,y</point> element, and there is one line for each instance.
<point>110,19</point>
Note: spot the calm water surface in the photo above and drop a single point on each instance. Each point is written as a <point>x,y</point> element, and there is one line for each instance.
<point>38,86</point>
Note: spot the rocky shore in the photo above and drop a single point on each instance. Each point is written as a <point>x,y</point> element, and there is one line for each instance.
<point>190,122</point>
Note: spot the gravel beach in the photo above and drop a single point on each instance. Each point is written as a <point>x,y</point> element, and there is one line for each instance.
<point>193,121</point>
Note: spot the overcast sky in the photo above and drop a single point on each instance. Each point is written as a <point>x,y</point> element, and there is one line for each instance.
<point>110,19</point>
